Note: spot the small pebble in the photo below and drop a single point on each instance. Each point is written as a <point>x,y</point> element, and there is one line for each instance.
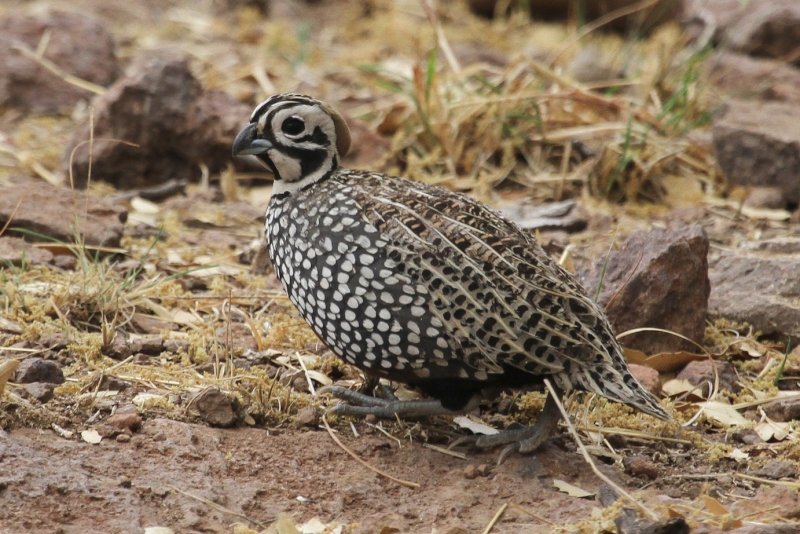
<point>123,438</point>
<point>125,421</point>
<point>470,472</point>
<point>371,419</point>
<point>640,465</point>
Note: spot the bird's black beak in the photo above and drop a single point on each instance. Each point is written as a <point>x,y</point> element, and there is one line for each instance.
<point>247,142</point>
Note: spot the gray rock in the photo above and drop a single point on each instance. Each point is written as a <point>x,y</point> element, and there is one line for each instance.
<point>776,470</point>
<point>175,126</point>
<point>215,407</point>
<point>758,144</point>
<point>15,251</point>
<point>28,86</point>
<point>39,370</point>
<point>41,391</point>
<point>58,213</point>
<point>669,288</point>
<point>759,284</point>
<point>702,372</point>
<point>783,410</point>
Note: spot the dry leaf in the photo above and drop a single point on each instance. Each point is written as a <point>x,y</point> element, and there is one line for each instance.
<point>738,455</point>
<point>475,427</point>
<point>313,526</point>
<point>7,369</point>
<point>569,489</point>
<point>663,362</point>
<point>768,429</point>
<point>91,436</point>
<point>284,525</point>
<point>722,413</point>
<point>158,530</point>
<point>677,387</point>
<point>714,506</point>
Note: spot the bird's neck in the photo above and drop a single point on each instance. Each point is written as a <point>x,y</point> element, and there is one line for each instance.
<point>284,187</point>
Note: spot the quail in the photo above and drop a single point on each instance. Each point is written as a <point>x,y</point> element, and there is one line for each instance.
<point>421,285</point>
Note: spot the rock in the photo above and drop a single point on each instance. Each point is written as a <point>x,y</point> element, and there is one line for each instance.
<point>758,144</point>
<point>125,421</point>
<point>236,336</point>
<point>776,470</point>
<point>41,391</point>
<point>215,407</point>
<point>743,77</point>
<point>367,146</point>
<point>307,416</point>
<point>103,382</point>
<point>123,438</point>
<point>648,377</point>
<point>60,213</point>
<point>16,251</point>
<point>176,345</point>
<point>639,465</point>
<point>748,436</point>
<point>643,20</point>
<point>765,198</point>
<point>160,107</point>
<point>39,370</point>
<point>27,86</point>
<point>769,28</point>
<point>67,262</point>
<point>668,290</point>
<point>470,472</point>
<point>147,344</point>
<point>702,372</point>
<point>567,216</point>
<point>758,284</point>
<point>213,124</point>
<point>783,410</point>
<point>118,349</point>
<point>782,502</point>
<point>55,341</point>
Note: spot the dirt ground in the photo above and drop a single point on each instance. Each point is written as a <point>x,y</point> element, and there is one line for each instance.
<point>187,278</point>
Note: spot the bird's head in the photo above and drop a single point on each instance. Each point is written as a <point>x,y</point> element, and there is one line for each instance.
<point>298,137</point>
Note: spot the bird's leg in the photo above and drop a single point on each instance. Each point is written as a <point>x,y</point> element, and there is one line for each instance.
<point>524,440</point>
<point>387,407</point>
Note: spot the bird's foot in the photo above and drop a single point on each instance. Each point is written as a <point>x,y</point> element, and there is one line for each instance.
<point>524,439</point>
<point>387,406</point>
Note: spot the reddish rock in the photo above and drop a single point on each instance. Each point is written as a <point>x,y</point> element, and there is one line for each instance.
<point>27,86</point>
<point>59,213</point>
<point>161,108</point>
<point>215,407</point>
<point>16,251</point>
<point>640,465</point>
<point>776,470</point>
<point>702,372</point>
<point>125,421</point>
<point>769,28</point>
<point>744,77</point>
<point>765,198</point>
<point>758,144</point>
<point>307,416</point>
<point>644,20</point>
<point>236,336</point>
<point>41,391</point>
<point>668,290</point>
<point>782,501</point>
<point>758,284</point>
<point>783,410</point>
<point>39,370</point>
<point>648,377</point>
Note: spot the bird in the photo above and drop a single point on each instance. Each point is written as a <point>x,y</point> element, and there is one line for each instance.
<point>420,285</point>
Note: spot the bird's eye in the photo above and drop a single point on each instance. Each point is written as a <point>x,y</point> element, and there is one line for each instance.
<point>293,126</point>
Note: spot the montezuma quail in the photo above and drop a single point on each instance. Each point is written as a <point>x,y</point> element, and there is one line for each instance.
<point>420,285</point>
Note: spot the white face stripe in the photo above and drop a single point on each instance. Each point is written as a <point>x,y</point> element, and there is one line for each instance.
<point>312,116</point>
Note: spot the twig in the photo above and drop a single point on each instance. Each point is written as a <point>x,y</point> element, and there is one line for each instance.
<point>793,485</point>
<point>13,214</point>
<point>605,19</point>
<point>58,71</point>
<point>532,514</point>
<point>441,39</point>
<point>495,519</point>
<point>305,370</point>
<point>216,506</point>
<point>448,452</point>
<point>362,462</point>
<point>632,434</point>
<point>652,515</point>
